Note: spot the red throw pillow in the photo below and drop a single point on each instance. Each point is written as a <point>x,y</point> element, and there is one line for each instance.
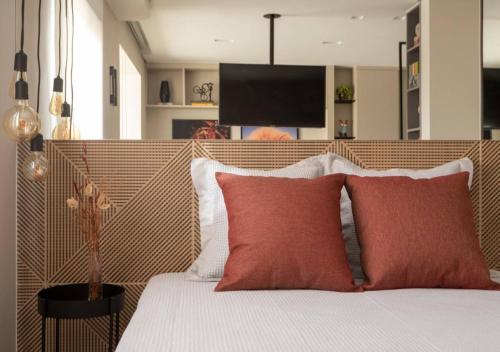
<point>417,233</point>
<point>284,234</point>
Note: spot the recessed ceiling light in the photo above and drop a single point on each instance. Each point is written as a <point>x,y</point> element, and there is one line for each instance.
<point>399,18</point>
<point>358,17</point>
<point>230,41</point>
<point>329,42</point>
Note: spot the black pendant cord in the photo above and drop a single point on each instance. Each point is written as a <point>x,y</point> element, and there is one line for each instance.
<point>59,39</point>
<point>38,56</point>
<point>71,72</point>
<point>72,51</point>
<point>67,51</point>
<point>22,25</point>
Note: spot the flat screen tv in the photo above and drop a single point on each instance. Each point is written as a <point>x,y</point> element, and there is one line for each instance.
<point>491,97</point>
<point>272,95</point>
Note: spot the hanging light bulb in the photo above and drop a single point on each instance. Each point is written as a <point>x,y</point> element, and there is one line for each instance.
<point>20,68</point>
<point>56,101</point>
<point>65,128</point>
<point>36,165</point>
<point>21,122</point>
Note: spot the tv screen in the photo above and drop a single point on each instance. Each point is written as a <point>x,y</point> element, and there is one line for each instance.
<point>491,97</point>
<point>272,95</point>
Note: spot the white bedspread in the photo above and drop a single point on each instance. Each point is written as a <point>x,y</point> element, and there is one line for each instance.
<point>178,315</point>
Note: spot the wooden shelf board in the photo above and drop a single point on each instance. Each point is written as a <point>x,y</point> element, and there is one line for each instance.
<point>344,101</point>
<point>412,89</point>
<point>413,48</point>
<point>165,106</point>
<point>417,129</point>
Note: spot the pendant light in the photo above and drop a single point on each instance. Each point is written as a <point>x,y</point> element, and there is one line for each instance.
<point>21,122</point>
<point>20,68</point>
<point>56,101</point>
<point>65,128</point>
<point>36,165</point>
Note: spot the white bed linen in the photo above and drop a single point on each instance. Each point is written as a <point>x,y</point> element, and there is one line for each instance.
<point>178,315</point>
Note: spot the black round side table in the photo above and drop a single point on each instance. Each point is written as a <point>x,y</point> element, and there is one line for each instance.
<point>71,302</point>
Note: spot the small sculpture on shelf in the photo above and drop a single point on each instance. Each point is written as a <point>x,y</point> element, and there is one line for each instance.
<point>343,128</point>
<point>205,93</point>
<point>344,92</point>
<point>416,38</point>
<point>164,92</point>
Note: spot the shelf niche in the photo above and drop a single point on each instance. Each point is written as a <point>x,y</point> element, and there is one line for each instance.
<point>412,93</point>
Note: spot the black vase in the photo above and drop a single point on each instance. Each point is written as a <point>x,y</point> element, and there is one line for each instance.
<point>164,92</point>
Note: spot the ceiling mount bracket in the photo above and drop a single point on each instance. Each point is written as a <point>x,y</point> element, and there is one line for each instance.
<point>271,17</point>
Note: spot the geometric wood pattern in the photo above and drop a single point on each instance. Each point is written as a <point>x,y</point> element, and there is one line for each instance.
<point>152,226</point>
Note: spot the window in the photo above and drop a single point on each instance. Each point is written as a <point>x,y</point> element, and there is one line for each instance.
<point>130,98</point>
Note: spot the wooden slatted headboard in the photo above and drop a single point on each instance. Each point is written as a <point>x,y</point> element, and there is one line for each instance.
<point>152,226</point>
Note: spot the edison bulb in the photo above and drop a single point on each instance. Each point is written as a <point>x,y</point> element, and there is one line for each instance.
<point>57,99</point>
<point>55,106</point>
<point>16,76</point>
<point>21,122</point>
<point>36,166</point>
<point>62,129</point>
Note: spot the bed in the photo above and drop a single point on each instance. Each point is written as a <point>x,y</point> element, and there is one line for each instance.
<point>174,314</point>
<point>153,196</point>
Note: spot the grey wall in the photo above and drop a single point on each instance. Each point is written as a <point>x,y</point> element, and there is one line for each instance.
<point>7,187</point>
<point>116,34</point>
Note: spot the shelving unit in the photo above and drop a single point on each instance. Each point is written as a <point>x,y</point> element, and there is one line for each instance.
<point>182,79</point>
<point>343,108</point>
<point>412,57</point>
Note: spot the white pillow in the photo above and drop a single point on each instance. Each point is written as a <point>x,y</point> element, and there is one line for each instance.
<point>209,266</point>
<point>348,168</point>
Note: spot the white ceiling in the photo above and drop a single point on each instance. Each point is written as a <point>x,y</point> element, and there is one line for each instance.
<point>183,31</point>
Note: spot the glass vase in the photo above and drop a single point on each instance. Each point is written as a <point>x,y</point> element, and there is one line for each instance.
<point>95,271</point>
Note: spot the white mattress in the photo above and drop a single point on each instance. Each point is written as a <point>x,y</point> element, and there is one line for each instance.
<point>178,315</point>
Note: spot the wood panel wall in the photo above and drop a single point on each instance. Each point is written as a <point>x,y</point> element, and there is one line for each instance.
<point>153,226</point>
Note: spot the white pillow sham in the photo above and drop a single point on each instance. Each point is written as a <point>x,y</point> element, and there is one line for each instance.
<point>209,266</point>
<point>333,163</point>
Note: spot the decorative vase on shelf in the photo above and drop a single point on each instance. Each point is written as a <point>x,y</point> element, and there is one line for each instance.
<point>164,92</point>
<point>89,203</point>
<point>95,269</point>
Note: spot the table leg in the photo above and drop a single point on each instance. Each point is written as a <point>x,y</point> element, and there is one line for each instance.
<point>117,326</point>
<point>43,333</point>
<point>57,334</point>
<point>110,336</point>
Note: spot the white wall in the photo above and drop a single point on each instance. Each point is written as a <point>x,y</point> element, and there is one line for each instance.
<point>87,73</point>
<point>451,69</point>
<point>7,188</point>
<point>116,34</point>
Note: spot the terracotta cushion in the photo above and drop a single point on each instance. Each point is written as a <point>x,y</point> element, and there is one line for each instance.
<point>417,233</point>
<point>284,234</point>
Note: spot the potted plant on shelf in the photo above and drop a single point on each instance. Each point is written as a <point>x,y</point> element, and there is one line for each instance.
<point>88,204</point>
<point>344,92</point>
